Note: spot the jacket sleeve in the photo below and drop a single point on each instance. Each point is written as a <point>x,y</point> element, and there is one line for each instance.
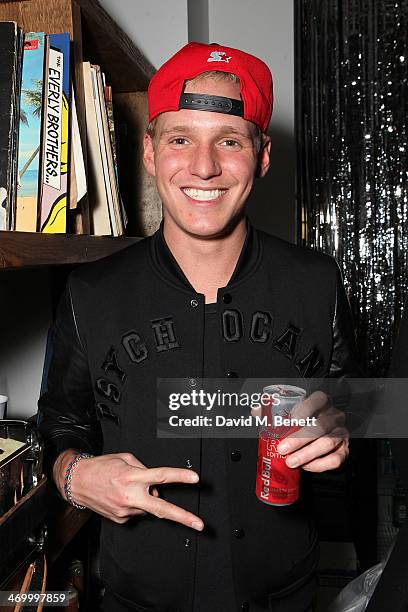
<point>67,416</point>
<point>344,360</point>
<point>396,398</point>
<point>345,365</point>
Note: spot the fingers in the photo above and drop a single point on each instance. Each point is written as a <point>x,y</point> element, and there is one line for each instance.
<point>256,411</point>
<point>134,462</point>
<point>320,447</point>
<point>330,462</point>
<point>331,451</point>
<point>319,406</point>
<point>165,510</point>
<point>327,422</point>
<point>161,475</point>
<point>312,405</point>
<point>166,475</point>
<point>148,499</point>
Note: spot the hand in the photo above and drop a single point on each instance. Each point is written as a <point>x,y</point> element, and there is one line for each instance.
<point>119,486</point>
<point>321,447</point>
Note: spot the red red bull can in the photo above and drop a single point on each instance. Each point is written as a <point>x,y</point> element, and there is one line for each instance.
<point>276,483</point>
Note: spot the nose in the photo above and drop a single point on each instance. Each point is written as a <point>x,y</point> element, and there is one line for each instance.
<point>204,162</point>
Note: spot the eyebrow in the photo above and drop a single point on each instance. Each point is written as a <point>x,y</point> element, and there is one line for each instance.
<point>225,129</point>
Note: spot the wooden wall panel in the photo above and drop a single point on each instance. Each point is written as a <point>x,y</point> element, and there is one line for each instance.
<point>143,202</point>
<point>39,16</point>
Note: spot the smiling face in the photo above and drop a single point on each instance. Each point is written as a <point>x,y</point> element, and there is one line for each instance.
<point>204,164</point>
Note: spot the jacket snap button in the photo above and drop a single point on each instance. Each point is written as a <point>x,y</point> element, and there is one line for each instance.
<point>187,542</point>
<point>236,455</point>
<point>227,298</point>
<point>189,463</point>
<point>245,606</point>
<point>239,533</point>
<point>192,382</point>
<point>232,375</point>
<point>193,303</point>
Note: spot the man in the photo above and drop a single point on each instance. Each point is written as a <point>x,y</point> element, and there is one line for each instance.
<point>206,296</point>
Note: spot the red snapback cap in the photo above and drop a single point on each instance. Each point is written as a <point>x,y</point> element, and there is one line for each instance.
<point>166,87</point>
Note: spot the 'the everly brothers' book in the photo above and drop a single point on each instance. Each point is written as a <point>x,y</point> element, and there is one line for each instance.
<point>30,132</point>
<point>55,138</point>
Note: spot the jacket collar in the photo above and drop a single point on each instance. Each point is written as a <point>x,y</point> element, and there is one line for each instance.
<point>166,265</point>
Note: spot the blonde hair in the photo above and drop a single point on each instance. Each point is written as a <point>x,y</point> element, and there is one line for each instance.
<point>215,75</point>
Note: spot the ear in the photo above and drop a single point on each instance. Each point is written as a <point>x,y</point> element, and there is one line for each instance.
<point>148,155</point>
<point>264,157</point>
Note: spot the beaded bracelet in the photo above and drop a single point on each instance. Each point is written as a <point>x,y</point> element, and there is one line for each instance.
<point>68,477</point>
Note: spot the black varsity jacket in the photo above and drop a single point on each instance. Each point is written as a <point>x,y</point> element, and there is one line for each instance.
<point>132,317</point>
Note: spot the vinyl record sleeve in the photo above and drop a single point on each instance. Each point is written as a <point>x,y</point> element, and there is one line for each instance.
<point>10,80</point>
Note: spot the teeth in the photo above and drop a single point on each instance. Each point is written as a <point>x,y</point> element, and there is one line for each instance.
<point>204,195</point>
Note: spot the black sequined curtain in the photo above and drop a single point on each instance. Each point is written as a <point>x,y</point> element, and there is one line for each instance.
<point>352,114</point>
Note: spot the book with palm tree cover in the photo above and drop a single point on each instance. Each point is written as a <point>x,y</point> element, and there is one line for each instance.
<point>30,132</point>
<point>10,83</point>
<point>55,136</point>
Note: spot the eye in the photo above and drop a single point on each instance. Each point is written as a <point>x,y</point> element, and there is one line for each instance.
<point>231,143</point>
<point>178,141</point>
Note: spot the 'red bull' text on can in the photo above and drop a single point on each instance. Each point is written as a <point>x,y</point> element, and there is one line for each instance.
<point>276,483</point>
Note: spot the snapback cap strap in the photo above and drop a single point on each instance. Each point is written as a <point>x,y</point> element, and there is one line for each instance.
<point>215,104</point>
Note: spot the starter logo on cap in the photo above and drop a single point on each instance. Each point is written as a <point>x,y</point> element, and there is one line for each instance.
<point>218,56</point>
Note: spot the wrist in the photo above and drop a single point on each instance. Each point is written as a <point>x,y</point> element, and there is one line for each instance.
<point>70,471</point>
<point>60,468</point>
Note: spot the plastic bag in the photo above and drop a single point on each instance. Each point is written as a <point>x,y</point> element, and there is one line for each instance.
<point>356,595</point>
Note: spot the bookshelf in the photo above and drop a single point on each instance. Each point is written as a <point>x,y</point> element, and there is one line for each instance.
<point>96,38</point>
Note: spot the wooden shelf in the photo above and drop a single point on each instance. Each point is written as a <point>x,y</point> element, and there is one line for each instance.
<point>25,249</point>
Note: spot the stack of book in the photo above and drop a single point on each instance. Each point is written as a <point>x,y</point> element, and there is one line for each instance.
<point>40,181</point>
<point>108,214</point>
